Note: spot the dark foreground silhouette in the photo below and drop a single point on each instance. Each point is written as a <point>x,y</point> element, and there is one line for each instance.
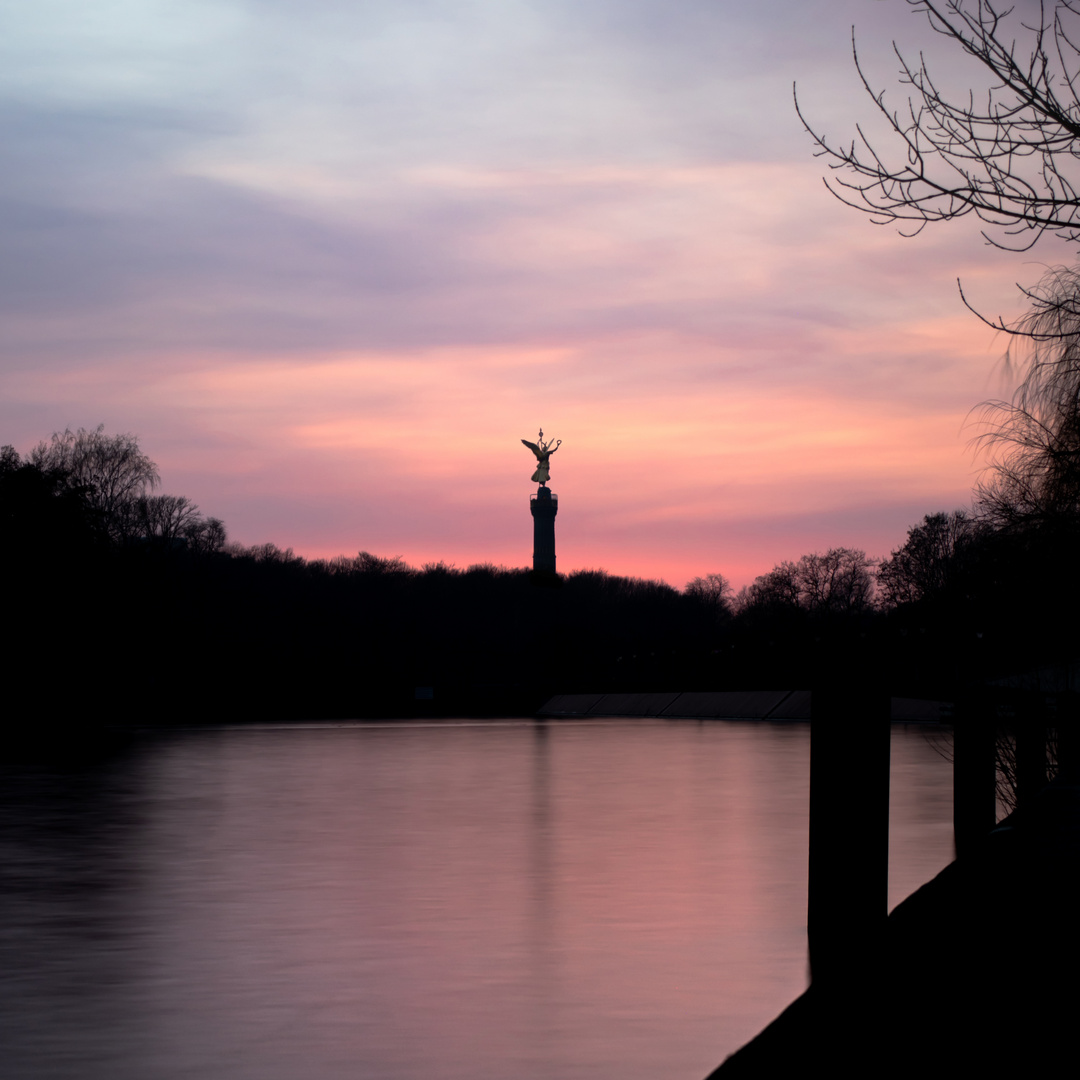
<point>122,605</point>
<point>976,976</point>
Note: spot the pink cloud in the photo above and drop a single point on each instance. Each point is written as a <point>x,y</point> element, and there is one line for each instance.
<point>332,320</point>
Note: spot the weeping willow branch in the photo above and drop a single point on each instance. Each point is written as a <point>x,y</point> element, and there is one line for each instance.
<point>1033,441</point>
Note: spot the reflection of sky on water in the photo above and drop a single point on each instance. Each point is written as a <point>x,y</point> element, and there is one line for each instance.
<point>536,900</point>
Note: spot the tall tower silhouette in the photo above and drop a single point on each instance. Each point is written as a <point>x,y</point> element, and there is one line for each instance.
<point>544,505</point>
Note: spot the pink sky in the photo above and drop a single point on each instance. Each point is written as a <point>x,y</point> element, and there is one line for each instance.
<point>331,263</point>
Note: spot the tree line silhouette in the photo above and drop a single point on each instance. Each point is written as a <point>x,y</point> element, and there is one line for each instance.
<point>132,605</point>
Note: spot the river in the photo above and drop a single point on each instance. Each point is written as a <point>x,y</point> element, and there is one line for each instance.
<point>451,900</point>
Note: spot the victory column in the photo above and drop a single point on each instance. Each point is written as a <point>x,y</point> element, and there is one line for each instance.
<point>544,505</point>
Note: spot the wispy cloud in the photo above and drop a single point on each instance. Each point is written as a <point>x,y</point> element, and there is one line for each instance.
<point>332,264</point>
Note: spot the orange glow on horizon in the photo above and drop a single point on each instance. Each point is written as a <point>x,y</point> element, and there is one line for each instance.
<point>436,434</point>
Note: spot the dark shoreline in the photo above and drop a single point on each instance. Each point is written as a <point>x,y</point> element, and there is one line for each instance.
<point>975,975</point>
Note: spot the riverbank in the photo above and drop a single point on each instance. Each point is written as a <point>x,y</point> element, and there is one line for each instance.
<point>976,975</point>
<point>720,705</point>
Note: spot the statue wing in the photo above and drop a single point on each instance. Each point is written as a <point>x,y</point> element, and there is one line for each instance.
<point>533,447</point>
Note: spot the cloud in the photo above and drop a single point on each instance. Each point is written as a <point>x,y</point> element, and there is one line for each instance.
<point>333,262</point>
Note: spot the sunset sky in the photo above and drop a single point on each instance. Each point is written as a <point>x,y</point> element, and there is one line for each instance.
<point>332,260</point>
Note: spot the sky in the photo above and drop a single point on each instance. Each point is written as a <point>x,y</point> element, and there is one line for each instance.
<point>331,261</point>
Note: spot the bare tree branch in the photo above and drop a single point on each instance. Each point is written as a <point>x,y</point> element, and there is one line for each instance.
<point>1011,159</point>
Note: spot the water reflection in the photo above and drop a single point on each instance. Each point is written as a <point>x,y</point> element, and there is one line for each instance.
<point>529,899</point>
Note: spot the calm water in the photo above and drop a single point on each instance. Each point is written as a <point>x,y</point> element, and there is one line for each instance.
<point>472,900</point>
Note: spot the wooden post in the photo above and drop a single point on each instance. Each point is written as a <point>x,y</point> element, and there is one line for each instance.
<point>849,824</point>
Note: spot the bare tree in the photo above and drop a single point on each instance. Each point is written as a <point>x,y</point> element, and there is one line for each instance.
<point>712,589</point>
<point>779,588</point>
<point>113,470</point>
<point>838,581</point>
<point>205,535</point>
<point>167,517</point>
<point>366,563</point>
<point>265,553</point>
<point>1006,152</point>
<point>930,558</point>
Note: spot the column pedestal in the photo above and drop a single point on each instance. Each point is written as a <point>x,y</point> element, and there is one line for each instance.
<point>544,506</point>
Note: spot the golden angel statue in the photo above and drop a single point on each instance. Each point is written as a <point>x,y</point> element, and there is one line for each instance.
<point>542,452</point>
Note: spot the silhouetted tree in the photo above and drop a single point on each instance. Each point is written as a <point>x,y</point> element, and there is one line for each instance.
<point>112,469</point>
<point>166,517</point>
<point>1005,152</point>
<point>779,588</point>
<point>42,511</point>
<point>366,563</point>
<point>714,590</point>
<point>205,535</point>
<point>930,559</point>
<point>836,582</point>
<point>175,520</point>
<point>839,581</point>
<point>265,553</point>
<point>1034,439</point>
